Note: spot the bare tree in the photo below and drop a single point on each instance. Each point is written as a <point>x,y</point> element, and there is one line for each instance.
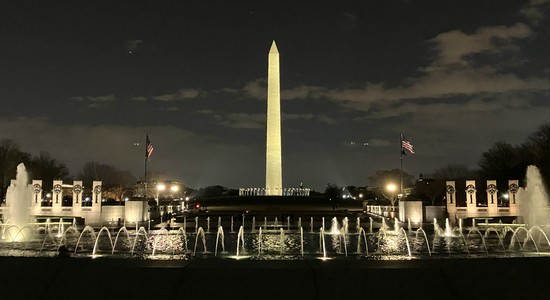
<point>537,148</point>
<point>502,162</point>
<point>48,169</point>
<point>114,181</point>
<point>453,171</point>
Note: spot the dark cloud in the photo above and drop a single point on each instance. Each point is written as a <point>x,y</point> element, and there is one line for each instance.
<point>535,10</point>
<point>454,76</point>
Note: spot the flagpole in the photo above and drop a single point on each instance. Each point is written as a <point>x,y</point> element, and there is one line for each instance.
<point>145,171</point>
<point>401,170</point>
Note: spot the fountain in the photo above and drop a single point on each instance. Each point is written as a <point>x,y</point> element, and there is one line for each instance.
<point>302,241</point>
<point>279,237</point>
<point>260,242</point>
<point>388,242</point>
<point>220,237</point>
<point>200,233</point>
<point>534,199</point>
<point>334,226</point>
<point>240,240</point>
<point>18,200</point>
<point>281,240</point>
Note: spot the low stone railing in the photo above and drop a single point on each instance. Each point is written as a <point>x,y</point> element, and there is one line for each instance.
<point>263,191</point>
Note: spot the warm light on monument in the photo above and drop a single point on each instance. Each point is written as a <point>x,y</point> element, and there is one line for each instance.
<point>273,171</point>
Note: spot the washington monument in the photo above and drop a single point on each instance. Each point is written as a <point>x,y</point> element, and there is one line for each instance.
<point>273,165</point>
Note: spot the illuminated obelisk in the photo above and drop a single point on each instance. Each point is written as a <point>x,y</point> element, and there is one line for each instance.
<point>273,168</point>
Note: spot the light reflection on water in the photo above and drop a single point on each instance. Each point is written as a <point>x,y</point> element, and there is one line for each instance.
<point>174,245</point>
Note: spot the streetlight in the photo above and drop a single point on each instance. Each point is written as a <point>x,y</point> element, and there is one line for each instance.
<point>506,198</point>
<point>391,188</point>
<point>160,188</point>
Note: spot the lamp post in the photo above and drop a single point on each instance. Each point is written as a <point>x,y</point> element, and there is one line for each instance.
<point>160,188</point>
<point>391,188</point>
<point>174,188</point>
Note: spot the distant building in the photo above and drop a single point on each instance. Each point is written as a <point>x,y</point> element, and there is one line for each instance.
<point>165,189</point>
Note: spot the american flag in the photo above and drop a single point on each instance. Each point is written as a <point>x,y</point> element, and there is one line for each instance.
<point>406,145</point>
<point>148,147</point>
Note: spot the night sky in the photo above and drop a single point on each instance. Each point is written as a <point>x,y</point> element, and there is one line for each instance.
<point>84,81</point>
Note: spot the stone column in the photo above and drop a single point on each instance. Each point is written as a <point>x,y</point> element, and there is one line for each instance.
<point>77,196</point>
<point>77,192</point>
<point>96,193</point>
<point>36,197</point>
<point>450,189</point>
<point>492,198</point>
<point>513,188</point>
<point>57,196</point>
<point>36,192</point>
<point>471,199</point>
<point>93,216</point>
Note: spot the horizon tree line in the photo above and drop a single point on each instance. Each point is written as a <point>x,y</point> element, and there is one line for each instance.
<point>502,161</point>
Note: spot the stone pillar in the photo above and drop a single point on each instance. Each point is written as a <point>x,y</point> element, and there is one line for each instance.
<point>513,188</point>
<point>36,192</point>
<point>96,193</point>
<point>77,192</point>
<point>492,198</point>
<point>57,196</point>
<point>471,199</point>
<point>450,188</point>
<point>93,214</point>
<point>36,202</point>
<point>77,196</point>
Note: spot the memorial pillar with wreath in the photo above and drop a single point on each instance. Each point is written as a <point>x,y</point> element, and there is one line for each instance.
<point>471,199</point>
<point>36,193</point>
<point>36,202</point>
<point>492,198</point>
<point>92,214</point>
<point>97,195</point>
<point>450,190</point>
<point>77,197</point>
<point>57,196</point>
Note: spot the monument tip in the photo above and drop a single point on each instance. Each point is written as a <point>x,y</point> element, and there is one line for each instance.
<point>273,48</point>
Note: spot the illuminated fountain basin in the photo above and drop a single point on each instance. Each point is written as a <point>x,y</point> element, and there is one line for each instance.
<point>285,241</point>
<point>296,238</point>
